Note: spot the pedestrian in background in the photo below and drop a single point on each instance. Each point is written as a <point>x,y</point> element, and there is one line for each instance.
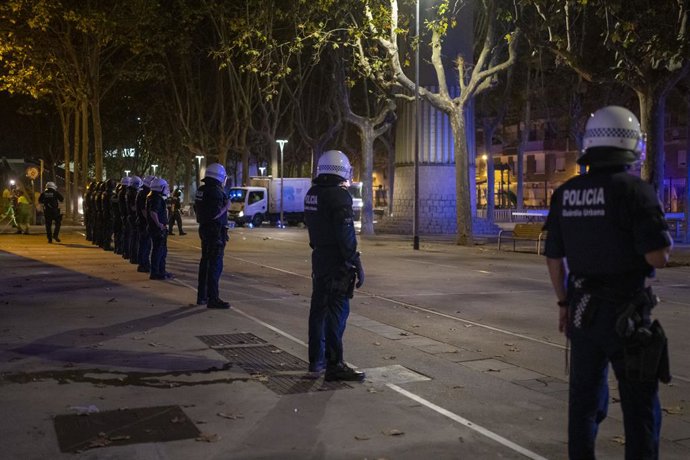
<point>50,199</point>
<point>157,217</point>
<point>23,212</point>
<point>175,207</point>
<point>336,265</point>
<point>606,235</point>
<point>211,208</point>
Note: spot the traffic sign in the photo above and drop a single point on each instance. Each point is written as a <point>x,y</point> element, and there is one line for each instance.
<point>32,172</point>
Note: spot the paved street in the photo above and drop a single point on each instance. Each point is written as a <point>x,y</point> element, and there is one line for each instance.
<point>460,345</point>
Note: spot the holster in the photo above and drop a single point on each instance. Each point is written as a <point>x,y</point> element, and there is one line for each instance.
<point>648,360</point>
<point>342,280</point>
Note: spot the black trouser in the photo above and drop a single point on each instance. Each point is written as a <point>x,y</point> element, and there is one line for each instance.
<point>175,217</point>
<point>210,268</point>
<point>159,251</point>
<point>327,319</point>
<point>144,257</point>
<point>50,232</point>
<point>133,240</point>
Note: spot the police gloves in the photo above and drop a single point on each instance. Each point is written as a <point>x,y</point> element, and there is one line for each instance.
<point>360,271</point>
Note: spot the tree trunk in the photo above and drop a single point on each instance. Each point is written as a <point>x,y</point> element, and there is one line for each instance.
<point>489,129</point>
<point>65,120</point>
<point>85,144</point>
<point>187,171</point>
<point>652,119</point>
<point>98,138</point>
<point>367,137</point>
<point>76,146</point>
<point>462,184</point>
<point>686,236</point>
<point>524,139</point>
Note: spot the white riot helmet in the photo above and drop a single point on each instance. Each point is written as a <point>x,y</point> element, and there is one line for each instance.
<point>51,185</point>
<point>160,185</point>
<point>334,162</point>
<point>216,171</point>
<point>135,182</point>
<point>146,182</point>
<point>612,137</point>
<point>126,181</point>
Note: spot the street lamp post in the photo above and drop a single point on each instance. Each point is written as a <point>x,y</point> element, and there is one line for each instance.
<point>154,169</point>
<point>415,213</point>
<point>127,171</point>
<point>281,143</point>
<point>198,170</point>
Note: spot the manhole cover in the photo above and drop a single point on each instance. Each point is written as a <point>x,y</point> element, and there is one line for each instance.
<point>262,359</point>
<point>127,426</point>
<point>280,371</point>
<point>243,338</point>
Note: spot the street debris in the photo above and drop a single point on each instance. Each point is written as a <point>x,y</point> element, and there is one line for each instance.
<point>208,437</point>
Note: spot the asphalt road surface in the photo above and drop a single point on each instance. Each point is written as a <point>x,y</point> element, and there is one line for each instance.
<point>460,345</point>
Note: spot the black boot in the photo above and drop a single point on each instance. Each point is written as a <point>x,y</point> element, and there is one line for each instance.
<point>344,373</point>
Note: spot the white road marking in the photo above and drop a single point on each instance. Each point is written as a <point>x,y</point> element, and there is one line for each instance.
<point>426,310</point>
<point>463,421</point>
<point>469,424</point>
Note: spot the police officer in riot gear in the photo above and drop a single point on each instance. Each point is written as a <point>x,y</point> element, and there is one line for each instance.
<point>88,209</point>
<point>116,218</point>
<point>135,183</point>
<point>606,234</point>
<point>211,207</point>
<point>336,265</point>
<point>157,222</point>
<point>175,207</point>
<point>124,217</point>
<point>144,256</point>
<point>107,215</point>
<point>51,199</point>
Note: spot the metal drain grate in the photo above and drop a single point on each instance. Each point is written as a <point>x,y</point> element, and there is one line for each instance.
<point>243,338</point>
<point>280,371</point>
<point>127,426</point>
<point>263,359</point>
<point>290,384</point>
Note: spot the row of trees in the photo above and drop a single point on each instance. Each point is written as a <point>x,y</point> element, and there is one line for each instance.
<point>179,78</point>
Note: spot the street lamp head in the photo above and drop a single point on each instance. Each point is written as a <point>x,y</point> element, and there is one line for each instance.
<point>127,171</point>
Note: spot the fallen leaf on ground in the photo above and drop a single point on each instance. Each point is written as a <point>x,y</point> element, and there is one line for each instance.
<point>208,437</point>
<point>675,410</point>
<point>393,432</point>
<point>618,439</point>
<point>361,437</point>
<point>230,416</point>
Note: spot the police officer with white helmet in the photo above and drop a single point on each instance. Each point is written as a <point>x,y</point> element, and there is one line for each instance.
<point>157,229</point>
<point>336,265</point>
<point>606,235</point>
<point>51,199</point>
<point>211,207</point>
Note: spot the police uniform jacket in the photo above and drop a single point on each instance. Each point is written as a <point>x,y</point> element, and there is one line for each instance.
<point>131,200</point>
<point>155,203</point>
<point>603,223</point>
<point>122,201</point>
<point>329,217</point>
<point>141,206</point>
<point>50,199</point>
<point>209,202</point>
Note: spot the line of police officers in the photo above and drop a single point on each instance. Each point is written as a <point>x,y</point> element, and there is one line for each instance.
<point>130,218</point>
